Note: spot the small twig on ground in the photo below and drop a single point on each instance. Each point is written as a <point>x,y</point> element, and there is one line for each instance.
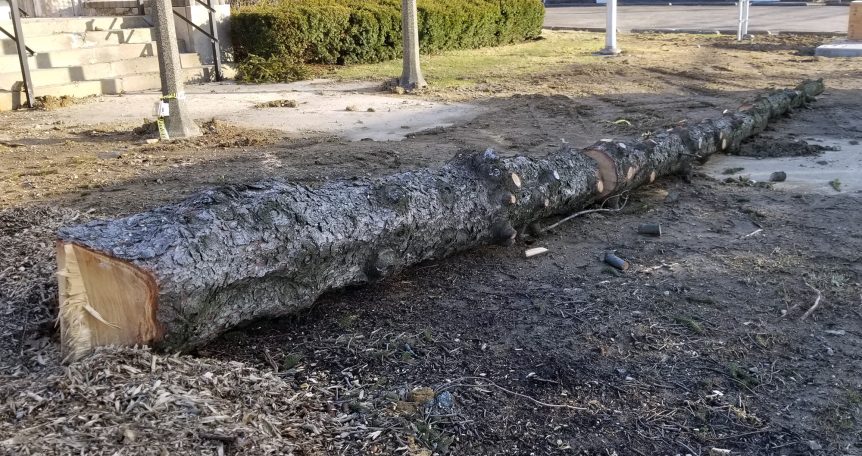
<point>23,333</point>
<point>752,233</point>
<point>814,307</point>
<point>224,438</point>
<point>691,451</point>
<point>270,361</point>
<point>585,212</point>
<point>524,396</point>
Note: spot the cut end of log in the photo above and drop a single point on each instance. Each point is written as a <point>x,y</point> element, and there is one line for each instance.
<point>103,301</point>
<point>516,180</point>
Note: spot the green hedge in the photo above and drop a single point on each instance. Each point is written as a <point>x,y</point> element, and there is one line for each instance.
<point>365,31</point>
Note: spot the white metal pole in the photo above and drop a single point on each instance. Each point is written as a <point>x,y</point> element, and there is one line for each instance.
<point>611,30</point>
<point>747,4</point>
<point>739,23</point>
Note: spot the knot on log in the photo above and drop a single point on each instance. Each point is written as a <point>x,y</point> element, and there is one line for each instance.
<point>394,195</point>
<point>488,166</point>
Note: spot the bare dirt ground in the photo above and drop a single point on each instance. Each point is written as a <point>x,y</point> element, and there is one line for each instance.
<point>700,347</point>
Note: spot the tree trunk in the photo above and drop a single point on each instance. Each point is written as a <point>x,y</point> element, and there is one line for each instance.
<point>179,275</point>
<point>411,74</point>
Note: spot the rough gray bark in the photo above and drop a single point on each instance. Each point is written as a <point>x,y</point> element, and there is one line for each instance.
<point>179,123</point>
<point>233,254</point>
<point>411,74</point>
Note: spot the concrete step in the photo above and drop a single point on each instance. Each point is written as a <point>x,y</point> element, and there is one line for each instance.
<point>13,99</point>
<point>92,72</point>
<point>131,83</point>
<point>65,41</point>
<point>151,81</point>
<point>41,26</point>
<point>81,57</point>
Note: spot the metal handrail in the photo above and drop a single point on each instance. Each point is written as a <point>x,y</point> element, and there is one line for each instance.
<point>22,51</point>
<point>12,37</point>
<point>212,35</point>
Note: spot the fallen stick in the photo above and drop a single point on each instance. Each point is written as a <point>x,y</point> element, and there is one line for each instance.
<point>615,261</point>
<point>752,233</point>
<point>508,391</point>
<point>180,275</point>
<point>813,307</point>
<point>584,212</point>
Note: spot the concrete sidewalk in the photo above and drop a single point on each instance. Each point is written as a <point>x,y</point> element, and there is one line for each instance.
<point>321,107</point>
<point>806,19</point>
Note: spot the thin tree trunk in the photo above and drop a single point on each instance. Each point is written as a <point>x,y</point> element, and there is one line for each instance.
<point>411,74</point>
<point>179,275</point>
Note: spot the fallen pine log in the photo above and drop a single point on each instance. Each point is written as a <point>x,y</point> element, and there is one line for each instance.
<point>179,275</point>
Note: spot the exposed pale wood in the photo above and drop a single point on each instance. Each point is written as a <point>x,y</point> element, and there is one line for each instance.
<point>535,251</point>
<point>179,275</point>
<point>103,301</point>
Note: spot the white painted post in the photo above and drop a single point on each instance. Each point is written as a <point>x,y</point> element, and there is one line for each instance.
<point>742,28</point>
<point>611,30</point>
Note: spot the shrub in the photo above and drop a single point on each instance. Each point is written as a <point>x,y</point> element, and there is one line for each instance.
<point>274,69</point>
<point>366,31</point>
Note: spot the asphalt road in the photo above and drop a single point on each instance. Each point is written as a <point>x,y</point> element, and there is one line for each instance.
<point>826,19</point>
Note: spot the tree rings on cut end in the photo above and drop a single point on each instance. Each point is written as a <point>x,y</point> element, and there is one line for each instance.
<point>103,301</point>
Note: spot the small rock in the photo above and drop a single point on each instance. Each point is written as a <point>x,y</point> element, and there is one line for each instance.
<point>778,176</point>
<point>814,446</point>
<point>830,351</point>
<point>129,435</point>
<point>835,332</point>
<point>445,401</point>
